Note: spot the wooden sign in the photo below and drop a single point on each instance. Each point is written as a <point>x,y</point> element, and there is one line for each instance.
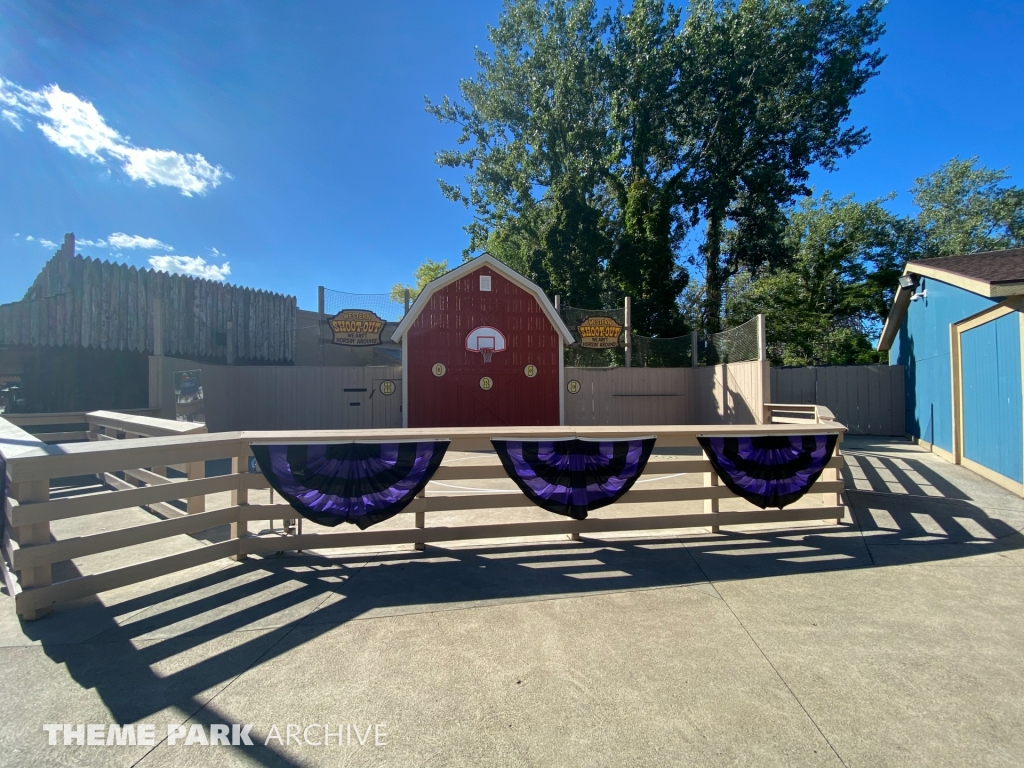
<point>357,328</point>
<point>599,333</point>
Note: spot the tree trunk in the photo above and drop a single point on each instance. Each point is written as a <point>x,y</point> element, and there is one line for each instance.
<point>714,275</point>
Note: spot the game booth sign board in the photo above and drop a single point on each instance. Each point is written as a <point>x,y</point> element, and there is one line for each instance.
<point>482,347</point>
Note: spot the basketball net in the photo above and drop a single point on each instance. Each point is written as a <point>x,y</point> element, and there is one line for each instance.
<point>487,352</point>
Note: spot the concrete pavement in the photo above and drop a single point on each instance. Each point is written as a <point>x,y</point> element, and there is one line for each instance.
<point>892,640</point>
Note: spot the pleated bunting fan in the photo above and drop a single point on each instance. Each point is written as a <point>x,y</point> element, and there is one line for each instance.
<point>358,483</point>
<point>769,470</point>
<point>572,477</point>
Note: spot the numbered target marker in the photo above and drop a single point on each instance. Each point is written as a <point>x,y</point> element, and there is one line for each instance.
<point>573,386</point>
<point>387,387</point>
<point>486,383</point>
<point>530,371</point>
<point>439,369</point>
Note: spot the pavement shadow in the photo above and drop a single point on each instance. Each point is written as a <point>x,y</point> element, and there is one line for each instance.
<point>225,622</point>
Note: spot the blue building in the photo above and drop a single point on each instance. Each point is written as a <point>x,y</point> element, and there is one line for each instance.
<point>955,326</point>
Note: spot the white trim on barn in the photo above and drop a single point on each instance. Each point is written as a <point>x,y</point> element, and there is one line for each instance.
<point>470,266</point>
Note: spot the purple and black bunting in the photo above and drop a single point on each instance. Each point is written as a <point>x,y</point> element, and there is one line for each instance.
<point>769,470</point>
<point>358,483</point>
<point>572,477</point>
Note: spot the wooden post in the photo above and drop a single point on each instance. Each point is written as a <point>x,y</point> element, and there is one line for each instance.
<point>420,521</point>
<point>320,322</point>
<point>693,349</point>
<point>766,378</point>
<point>196,471</point>
<point>229,349</point>
<point>558,305</point>
<point>158,327</point>
<point>240,498</point>
<point>711,505</point>
<point>408,297</point>
<point>629,331</point>
<point>30,535</point>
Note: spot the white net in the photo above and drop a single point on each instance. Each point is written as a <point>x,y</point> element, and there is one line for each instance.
<point>381,304</point>
<point>734,345</point>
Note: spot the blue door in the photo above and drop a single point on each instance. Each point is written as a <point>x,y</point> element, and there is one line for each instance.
<point>992,418</point>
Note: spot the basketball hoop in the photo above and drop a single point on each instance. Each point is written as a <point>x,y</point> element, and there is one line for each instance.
<point>486,341</point>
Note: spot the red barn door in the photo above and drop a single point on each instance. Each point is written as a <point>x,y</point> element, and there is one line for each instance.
<point>508,396</point>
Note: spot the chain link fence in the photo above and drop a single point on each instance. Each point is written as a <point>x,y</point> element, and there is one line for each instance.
<point>381,304</point>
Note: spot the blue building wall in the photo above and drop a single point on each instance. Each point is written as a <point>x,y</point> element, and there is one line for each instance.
<point>990,356</point>
<point>922,347</point>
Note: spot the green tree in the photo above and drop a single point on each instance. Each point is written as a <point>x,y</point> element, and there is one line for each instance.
<point>647,177</point>
<point>426,272</point>
<point>965,208</point>
<point>574,175</point>
<point>534,140</point>
<point>827,304</point>
<point>768,89</point>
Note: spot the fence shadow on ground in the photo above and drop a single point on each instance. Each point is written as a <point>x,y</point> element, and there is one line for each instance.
<point>178,645</point>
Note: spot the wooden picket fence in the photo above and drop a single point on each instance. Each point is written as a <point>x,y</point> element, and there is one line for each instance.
<point>130,453</point>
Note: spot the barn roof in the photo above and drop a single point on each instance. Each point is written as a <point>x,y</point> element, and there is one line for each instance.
<point>993,274</point>
<point>484,260</point>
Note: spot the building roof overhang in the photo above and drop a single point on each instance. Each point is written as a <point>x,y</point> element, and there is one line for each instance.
<point>932,268</point>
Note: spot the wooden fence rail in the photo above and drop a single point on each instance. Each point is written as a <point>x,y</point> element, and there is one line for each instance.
<point>31,465</point>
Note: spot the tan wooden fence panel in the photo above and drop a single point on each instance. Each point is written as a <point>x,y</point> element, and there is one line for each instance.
<point>732,393</point>
<point>625,396</point>
<point>285,397</point>
<point>868,399</point>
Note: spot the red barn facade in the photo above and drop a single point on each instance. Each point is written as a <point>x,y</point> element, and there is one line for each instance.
<point>482,347</point>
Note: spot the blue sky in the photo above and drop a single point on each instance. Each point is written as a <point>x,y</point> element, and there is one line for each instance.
<point>289,141</point>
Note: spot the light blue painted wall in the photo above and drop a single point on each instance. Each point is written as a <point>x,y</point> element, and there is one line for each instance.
<point>992,396</point>
<point>922,347</point>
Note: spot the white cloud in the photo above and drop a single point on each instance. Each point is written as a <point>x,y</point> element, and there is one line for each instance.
<point>101,243</point>
<point>41,240</point>
<point>11,117</point>
<point>121,240</point>
<point>77,126</point>
<point>195,266</point>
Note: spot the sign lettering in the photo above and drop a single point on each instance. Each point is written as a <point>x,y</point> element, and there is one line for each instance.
<point>599,333</point>
<point>356,328</point>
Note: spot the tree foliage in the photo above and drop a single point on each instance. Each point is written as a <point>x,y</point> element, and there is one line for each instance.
<point>770,97</point>
<point>425,273</point>
<point>823,307</point>
<point>593,141</point>
<point>967,208</point>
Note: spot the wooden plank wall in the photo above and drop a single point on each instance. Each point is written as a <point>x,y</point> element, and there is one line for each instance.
<point>89,303</point>
<point>251,397</point>
<point>868,399</point>
<point>626,396</point>
<point>731,393</point>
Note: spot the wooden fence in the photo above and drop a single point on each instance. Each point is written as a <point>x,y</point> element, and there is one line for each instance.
<point>285,397</point>
<point>31,465</point>
<point>868,399</point>
<point>351,397</point>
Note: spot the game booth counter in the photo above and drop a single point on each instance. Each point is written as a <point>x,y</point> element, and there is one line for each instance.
<point>482,346</point>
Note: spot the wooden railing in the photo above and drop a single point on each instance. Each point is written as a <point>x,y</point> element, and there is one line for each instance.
<point>31,465</point>
<point>65,427</point>
<point>797,413</point>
